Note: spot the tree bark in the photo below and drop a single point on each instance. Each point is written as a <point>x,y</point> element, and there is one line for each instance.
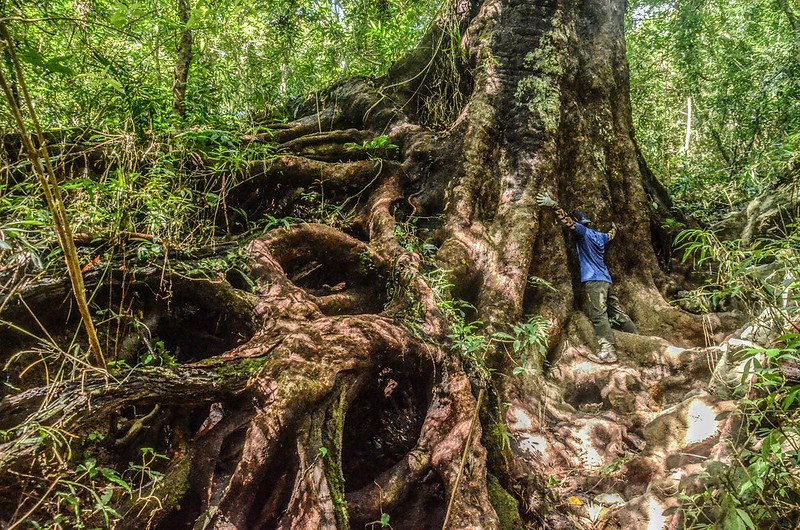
<point>353,394</point>
<point>183,61</point>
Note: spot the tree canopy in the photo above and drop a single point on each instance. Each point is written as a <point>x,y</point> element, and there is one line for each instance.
<point>281,264</point>
<point>110,64</point>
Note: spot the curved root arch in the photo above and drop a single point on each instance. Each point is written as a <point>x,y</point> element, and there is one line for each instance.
<point>265,444</point>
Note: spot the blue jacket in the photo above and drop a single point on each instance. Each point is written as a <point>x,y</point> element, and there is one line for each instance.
<point>591,246</point>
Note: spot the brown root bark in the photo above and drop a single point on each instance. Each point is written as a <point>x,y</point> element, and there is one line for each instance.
<point>296,367</point>
<point>339,389</point>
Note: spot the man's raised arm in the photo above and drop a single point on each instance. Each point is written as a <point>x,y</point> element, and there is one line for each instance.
<point>544,199</point>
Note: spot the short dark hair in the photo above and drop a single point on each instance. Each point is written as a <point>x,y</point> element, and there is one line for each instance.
<point>580,217</point>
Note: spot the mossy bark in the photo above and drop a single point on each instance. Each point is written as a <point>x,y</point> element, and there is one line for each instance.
<point>343,322</point>
<point>332,440</point>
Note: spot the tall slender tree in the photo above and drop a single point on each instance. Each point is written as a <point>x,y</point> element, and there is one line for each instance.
<point>183,61</point>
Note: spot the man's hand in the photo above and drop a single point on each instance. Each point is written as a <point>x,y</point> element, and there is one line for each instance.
<point>544,199</point>
<point>613,232</point>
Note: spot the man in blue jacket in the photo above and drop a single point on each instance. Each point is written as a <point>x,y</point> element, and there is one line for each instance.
<point>602,308</point>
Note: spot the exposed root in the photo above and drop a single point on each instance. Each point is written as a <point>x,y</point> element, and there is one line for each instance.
<point>265,183</point>
<point>288,372</point>
<point>325,120</point>
<point>330,146</point>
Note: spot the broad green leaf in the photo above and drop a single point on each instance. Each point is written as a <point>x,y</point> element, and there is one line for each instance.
<point>746,518</point>
<point>113,476</point>
<point>56,65</point>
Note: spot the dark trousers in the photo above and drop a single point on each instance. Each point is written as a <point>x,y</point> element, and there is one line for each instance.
<point>603,310</point>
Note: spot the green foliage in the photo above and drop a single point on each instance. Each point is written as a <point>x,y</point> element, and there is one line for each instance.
<point>157,355</point>
<point>467,336</point>
<point>737,60</point>
<point>378,147</point>
<point>151,200</point>
<point>464,334</point>
<point>110,64</point>
<point>80,490</point>
<point>383,522</point>
<point>313,207</point>
<point>406,234</point>
<point>751,275</point>
<point>528,337</point>
<point>536,281</point>
<point>761,489</point>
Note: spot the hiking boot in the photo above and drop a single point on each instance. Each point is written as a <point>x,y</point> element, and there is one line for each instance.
<point>607,353</point>
<point>600,358</point>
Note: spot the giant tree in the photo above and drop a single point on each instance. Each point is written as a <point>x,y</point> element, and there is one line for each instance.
<point>349,382</point>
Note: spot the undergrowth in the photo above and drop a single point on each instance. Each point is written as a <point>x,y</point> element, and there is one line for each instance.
<point>758,488</point>
<point>753,277</point>
<point>168,194</point>
<point>468,337</point>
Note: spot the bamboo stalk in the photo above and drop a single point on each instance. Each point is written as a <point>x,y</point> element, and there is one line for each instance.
<point>52,193</point>
<point>464,455</point>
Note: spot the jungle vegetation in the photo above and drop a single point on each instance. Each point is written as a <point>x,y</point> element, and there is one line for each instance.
<point>280,264</point>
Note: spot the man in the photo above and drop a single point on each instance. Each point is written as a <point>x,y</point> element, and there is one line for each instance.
<point>602,308</point>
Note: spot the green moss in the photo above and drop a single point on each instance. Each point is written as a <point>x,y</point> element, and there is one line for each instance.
<point>172,487</point>
<point>540,91</point>
<point>544,59</point>
<point>366,264</point>
<point>543,98</point>
<point>504,504</point>
<point>332,440</point>
<point>497,439</point>
<point>599,157</point>
<point>241,369</point>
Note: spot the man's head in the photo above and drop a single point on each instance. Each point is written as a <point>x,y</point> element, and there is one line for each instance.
<point>580,217</point>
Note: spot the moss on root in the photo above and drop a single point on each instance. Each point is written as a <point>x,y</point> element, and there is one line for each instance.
<point>504,504</point>
<point>170,490</point>
<point>496,441</point>
<point>241,369</point>
<point>332,438</point>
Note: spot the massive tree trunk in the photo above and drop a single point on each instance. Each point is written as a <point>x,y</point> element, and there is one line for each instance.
<point>344,387</point>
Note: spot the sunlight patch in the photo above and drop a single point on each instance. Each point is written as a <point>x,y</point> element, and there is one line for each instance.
<point>701,420</point>
<point>673,353</point>
<point>591,458</point>
<point>655,515</point>
<point>588,368</point>
<point>518,420</point>
<point>533,445</point>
